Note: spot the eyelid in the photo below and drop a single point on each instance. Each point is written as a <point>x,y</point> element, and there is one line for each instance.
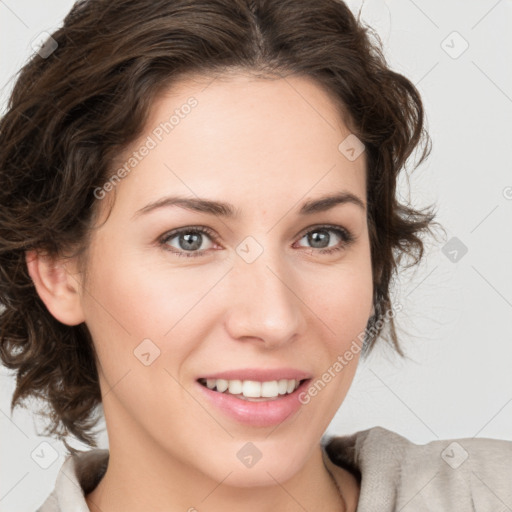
<point>332,227</point>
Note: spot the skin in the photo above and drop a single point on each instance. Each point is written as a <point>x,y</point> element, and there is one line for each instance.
<point>266,146</point>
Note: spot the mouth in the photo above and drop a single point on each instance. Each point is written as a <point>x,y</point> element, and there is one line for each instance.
<point>253,390</point>
<point>255,397</point>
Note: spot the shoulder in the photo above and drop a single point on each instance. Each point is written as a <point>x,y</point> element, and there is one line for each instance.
<point>78,476</point>
<point>441,475</point>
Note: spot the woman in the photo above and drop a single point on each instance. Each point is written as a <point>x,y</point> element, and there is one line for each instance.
<point>199,231</point>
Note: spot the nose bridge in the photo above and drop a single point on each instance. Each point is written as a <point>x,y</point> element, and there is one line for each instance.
<point>264,305</point>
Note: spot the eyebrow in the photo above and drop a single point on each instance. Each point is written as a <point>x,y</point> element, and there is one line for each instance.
<point>222,209</point>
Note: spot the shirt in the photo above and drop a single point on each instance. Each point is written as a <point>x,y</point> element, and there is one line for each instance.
<point>395,474</point>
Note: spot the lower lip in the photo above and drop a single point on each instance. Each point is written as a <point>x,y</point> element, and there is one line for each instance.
<point>257,414</point>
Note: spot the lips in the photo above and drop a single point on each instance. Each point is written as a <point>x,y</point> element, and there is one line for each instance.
<point>260,375</point>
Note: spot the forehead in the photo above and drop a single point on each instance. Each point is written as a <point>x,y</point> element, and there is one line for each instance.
<point>258,106</point>
<point>243,138</point>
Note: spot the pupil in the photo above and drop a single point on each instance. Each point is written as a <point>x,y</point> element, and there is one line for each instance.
<point>191,241</point>
<point>314,239</point>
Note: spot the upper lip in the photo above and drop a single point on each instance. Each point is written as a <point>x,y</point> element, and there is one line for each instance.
<point>261,375</point>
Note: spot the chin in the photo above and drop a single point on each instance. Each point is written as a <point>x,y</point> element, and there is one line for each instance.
<point>267,465</point>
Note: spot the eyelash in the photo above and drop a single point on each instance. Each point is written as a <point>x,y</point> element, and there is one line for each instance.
<point>344,234</point>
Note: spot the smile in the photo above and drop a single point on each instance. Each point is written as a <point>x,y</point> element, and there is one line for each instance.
<point>251,389</point>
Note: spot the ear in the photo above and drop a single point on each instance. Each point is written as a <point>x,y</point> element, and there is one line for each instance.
<point>56,285</point>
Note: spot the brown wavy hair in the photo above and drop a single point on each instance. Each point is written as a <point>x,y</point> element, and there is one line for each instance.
<point>73,111</point>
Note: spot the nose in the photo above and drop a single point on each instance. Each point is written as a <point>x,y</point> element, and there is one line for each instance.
<point>265,305</point>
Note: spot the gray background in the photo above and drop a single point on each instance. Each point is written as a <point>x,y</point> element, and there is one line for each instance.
<point>456,319</point>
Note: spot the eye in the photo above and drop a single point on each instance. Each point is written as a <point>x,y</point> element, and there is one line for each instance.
<point>319,238</point>
<point>189,241</point>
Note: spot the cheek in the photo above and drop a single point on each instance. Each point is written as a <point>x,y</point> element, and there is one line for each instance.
<point>139,298</point>
<point>341,314</point>
<point>130,301</point>
<point>341,297</point>
<point>135,314</point>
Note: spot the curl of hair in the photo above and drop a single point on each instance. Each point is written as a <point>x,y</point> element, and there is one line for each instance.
<point>72,113</point>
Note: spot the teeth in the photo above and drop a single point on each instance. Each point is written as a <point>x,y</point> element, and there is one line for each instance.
<point>221,384</point>
<point>235,387</point>
<point>282,386</point>
<point>252,388</point>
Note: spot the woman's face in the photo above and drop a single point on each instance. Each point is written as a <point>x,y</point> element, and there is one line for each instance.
<point>255,297</point>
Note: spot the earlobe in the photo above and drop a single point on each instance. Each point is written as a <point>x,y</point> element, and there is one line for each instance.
<point>56,287</point>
